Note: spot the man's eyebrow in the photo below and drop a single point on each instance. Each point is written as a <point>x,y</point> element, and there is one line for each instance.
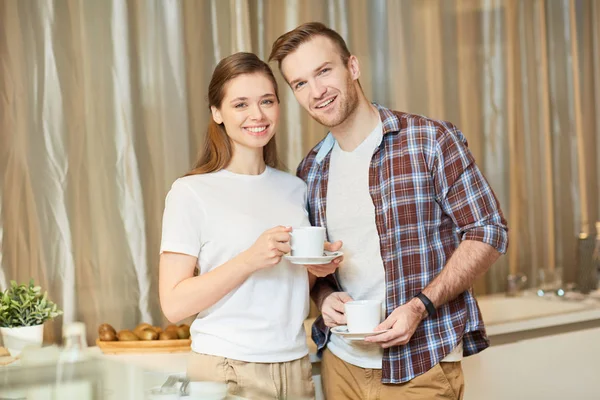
<point>315,70</point>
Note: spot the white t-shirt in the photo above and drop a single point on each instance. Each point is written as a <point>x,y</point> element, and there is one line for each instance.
<point>351,218</point>
<point>215,217</point>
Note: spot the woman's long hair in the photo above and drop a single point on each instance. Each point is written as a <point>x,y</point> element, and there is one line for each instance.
<point>218,149</point>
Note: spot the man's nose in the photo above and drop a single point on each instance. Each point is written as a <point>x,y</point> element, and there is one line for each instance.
<point>317,90</point>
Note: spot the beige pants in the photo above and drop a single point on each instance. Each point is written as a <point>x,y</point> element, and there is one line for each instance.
<point>346,381</point>
<point>286,380</point>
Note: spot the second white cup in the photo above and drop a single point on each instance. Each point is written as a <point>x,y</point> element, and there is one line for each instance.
<point>307,241</point>
<point>207,390</point>
<point>362,316</point>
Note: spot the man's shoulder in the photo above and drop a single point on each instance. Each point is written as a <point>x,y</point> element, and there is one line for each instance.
<point>309,160</point>
<point>394,120</point>
<point>419,130</point>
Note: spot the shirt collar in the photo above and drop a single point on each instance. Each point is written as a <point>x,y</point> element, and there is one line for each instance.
<point>390,121</point>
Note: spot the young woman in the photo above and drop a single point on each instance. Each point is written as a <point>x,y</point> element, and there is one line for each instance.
<point>231,217</point>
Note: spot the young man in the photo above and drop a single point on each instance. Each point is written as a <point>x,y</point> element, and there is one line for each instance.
<point>418,220</point>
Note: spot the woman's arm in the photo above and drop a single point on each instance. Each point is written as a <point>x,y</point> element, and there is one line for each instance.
<point>183,295</point>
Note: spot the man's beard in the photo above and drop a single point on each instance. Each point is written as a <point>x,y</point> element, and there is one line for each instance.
<point>346,107</point>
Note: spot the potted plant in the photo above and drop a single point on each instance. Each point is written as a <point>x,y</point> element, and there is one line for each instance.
<point>23,311</point>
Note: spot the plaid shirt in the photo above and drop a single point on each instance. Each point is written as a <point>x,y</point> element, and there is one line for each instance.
<point>429,195</point>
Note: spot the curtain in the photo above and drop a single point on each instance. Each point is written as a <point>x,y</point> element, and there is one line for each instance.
<point>103,105</point>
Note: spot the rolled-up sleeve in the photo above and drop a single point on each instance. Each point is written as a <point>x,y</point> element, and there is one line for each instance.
<point>464,194</point>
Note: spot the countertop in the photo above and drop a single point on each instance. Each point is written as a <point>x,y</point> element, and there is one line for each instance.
<point>502,315</point>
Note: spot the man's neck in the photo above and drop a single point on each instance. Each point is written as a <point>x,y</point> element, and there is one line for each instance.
<point>357,127</point>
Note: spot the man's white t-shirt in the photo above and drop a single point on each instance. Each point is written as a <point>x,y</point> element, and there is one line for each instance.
<point>215,217</point>
<point>351,218</point>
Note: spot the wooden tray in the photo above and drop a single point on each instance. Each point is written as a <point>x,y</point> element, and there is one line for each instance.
<point>5,357</point>
<point>145,346</point>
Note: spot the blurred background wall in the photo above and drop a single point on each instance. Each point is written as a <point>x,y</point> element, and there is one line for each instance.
<point>103,105</point>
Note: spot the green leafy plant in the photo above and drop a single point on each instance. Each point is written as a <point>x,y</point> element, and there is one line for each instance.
<point>25,305</point>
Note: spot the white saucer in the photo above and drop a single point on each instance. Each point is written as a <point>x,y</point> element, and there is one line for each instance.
<point>342,331</point>
<point>325,259</point>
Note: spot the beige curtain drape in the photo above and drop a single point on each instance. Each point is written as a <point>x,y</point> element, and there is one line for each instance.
<point>103,105</point>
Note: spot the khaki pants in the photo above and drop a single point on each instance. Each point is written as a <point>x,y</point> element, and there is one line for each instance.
<point>346,381</point>
<point>286,380</point>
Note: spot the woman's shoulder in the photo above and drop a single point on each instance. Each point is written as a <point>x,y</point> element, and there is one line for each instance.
<point>196,179</point>
<point>191,184</point>
<point>184,183</point>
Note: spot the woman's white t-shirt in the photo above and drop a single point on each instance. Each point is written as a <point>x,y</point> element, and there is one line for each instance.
<point>215,217</point>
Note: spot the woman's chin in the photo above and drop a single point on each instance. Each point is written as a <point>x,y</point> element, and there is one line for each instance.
<point>254,142</point>
<point>260,140</point>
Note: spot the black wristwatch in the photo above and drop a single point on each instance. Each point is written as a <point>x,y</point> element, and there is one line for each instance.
<point>427,303</point>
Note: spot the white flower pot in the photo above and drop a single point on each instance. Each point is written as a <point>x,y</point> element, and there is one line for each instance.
<point>16,339</point>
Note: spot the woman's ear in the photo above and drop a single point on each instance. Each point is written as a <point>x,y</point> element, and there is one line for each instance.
<point>216,115</point>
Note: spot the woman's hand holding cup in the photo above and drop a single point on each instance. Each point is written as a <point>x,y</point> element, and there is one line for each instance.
<point>268,249</point>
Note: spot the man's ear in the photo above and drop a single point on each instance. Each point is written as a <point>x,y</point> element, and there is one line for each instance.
<point>216,115</point>
<point>354,67</point>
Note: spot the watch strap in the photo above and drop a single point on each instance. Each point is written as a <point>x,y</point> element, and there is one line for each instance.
<point>427,303</point>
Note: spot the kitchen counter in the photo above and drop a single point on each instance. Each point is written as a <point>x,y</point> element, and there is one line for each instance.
<point>509,319</point>
<point>541,348</point>
<point>546,340</point>
<point>502,316</point>
<point>553,367</point>
<point>527,315</point>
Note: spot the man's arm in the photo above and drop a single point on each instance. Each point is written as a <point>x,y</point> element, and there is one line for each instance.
<point>466,197</point>
<point>470,261</point>
<point>322,288</point>
<point>330,302</point>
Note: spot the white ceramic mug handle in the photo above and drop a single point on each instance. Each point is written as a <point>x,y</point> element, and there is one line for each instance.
<point>291,236</point>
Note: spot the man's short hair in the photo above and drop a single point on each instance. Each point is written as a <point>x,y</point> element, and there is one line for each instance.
<point>290,41</point>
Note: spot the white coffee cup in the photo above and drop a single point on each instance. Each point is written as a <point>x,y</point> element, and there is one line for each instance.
<point>307,241</point>
<point>159,393</point>
<point>207,390</point>
<point>362,316</point>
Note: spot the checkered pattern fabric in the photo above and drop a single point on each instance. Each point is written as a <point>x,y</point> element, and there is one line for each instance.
<point>429,195</point>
